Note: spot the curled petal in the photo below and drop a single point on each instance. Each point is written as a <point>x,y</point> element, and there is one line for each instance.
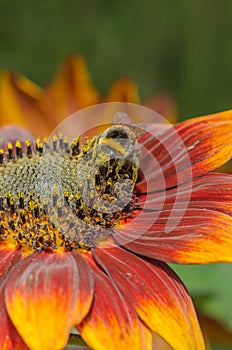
<point>197,236</point>
<point>112,323</point>
<point>46,295</point>
<point>157,295</point>
<point>9,133</point>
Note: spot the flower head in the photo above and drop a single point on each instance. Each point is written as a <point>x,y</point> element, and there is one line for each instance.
<point>86,230</point>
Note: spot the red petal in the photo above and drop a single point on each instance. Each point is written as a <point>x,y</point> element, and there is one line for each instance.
<point>156,293</point>
<point>112,323</point>
<point>191,236</point>
<point>47,294</point>
<point>9,338</point>
<point>212,191</point>
<point>191,148</point>
<point>8,259</point>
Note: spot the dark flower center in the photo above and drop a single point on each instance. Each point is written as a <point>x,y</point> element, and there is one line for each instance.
<point>65,197</point>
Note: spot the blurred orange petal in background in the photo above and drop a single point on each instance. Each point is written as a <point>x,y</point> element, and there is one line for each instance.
<point>25,104</point>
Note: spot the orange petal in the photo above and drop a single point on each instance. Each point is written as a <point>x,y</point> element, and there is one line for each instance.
<point>123,90</point>
<point>20,104</point>
<point>191,148</point>
<point>71,89</point>
<point>112,323</point>
<point>157,294</point>
<point>198,236</point>
<point>46,295</point>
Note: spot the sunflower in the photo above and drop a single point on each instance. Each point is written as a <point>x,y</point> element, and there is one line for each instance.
<point>87,229</point>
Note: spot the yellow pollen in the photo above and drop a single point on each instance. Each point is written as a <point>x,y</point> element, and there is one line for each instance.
<point>57,197</point>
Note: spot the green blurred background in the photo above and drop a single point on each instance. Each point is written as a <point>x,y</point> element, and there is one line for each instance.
<point>181,47</point>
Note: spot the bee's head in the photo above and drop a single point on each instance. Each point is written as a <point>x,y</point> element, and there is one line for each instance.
<point>117,142</point>
<point>118,132</point>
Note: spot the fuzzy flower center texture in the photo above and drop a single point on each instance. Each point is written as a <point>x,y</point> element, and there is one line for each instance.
<point>67,197</point>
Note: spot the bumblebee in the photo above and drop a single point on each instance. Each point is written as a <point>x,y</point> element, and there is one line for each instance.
<point>119,141</point>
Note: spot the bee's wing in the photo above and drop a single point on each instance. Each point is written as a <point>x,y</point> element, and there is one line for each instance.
<point>121,118</point>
